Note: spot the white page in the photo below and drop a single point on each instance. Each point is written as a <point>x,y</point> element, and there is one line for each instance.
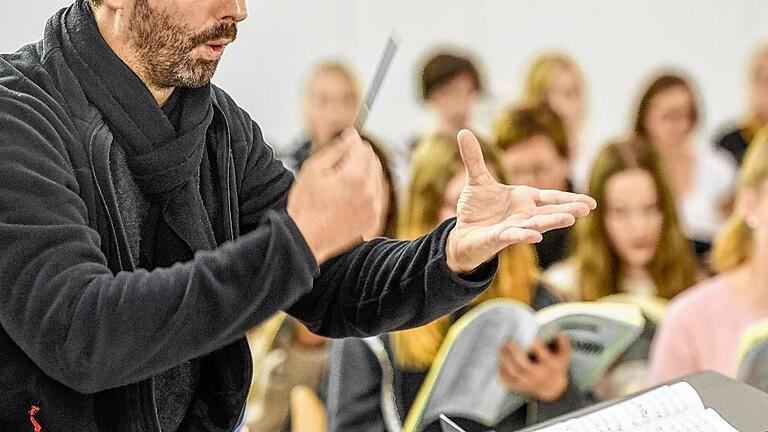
<point>691,421</point>
<point>642,410</point>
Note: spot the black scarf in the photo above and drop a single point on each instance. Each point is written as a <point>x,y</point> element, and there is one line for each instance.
<point>164,160</point>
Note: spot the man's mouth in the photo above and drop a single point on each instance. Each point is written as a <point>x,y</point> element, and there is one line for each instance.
<point>216,48</point>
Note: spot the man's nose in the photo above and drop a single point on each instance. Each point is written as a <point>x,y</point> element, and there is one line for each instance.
<point>233,10</point>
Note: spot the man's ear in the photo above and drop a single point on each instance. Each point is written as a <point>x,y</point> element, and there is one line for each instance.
<point>115,4</point>
<point>112,16</point>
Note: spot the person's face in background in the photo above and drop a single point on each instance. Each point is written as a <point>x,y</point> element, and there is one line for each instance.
<point>454,103</point>
<point>330,105</point>
<point>759,86</point>
<point>451,196</point>
<point>536,162</point>
<point>566,97</point>
<point>178,43</point>
<point>669,122</point>
<point>633,217</point>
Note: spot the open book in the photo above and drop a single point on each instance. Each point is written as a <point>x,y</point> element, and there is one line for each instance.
<point>652,307</point>
<point>670,408</point>
<point>463,381</point>
<point>753,356</point>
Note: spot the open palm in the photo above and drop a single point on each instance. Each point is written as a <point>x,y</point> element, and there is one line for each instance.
<point>492,216</point>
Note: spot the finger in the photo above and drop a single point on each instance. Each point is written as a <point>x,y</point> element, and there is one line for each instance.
<point>564,349</point>
<point>509,378</point>
<point>516,235</point>
<point>472,156</point>
<point>331,157</point>
<point>541,352</point>
<point>546,197</point>
<point>516,359</point>
<point>548,222</point>
<point>577,209</point>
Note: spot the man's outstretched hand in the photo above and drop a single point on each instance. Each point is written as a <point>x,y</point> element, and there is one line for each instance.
<point>492,216</point>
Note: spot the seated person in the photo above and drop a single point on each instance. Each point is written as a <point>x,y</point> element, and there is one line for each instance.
<point>700,177</point>
<point>286,354</point>
<point>702,329</point>
<point>632,243</point>
<point>361,398</point>
<point>450,86</point>
<point>534,151</point>
<point>330,103</point>
<point>556,80</point>
<point>736,140</point>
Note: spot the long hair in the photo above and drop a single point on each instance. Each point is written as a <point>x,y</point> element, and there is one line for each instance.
<point>390,223</point>
<point>734,245</point>
<point>658,85</point>
<point>673,266</point>
<point>436,161</point>
<point>541,73</point>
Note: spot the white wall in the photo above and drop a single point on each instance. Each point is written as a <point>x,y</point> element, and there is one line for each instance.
<point>618,43</point>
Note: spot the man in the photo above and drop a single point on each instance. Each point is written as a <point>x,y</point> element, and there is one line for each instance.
<point>145,226</point>
<point>533,146</point>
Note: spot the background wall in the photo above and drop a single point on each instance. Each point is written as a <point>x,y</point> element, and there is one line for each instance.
<point>618,44</point>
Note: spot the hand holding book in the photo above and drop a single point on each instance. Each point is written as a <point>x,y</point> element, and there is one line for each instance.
<point>541,372</point>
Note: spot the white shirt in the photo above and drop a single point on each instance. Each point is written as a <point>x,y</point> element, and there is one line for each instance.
<point>714,179</point>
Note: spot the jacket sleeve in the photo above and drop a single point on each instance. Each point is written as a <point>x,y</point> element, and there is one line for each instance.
<point>354,388</point>
<point>91,329</point>
<point>379,286</point>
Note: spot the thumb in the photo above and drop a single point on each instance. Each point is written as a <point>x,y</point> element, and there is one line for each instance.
<point>472,155</point>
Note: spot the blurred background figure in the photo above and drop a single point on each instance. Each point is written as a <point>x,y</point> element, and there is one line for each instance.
<point>450,86</point>
<point>737,140</point>
<point>534,151</point>
<point>361,386</point>
<point>632,244</point>
<point>701,178</point>
<point>287,356</point>
<point>703,327</point>
<point>556,80</point>
<point>330,103</point>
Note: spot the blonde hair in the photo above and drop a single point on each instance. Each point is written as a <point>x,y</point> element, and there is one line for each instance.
<point>340,68</point>
<point>734,245</point>
<point>542,72</point>
<point>673,266</point>
<point>436,161</point>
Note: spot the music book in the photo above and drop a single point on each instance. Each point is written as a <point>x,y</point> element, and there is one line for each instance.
<point>752,364</point>
<point>463,380</point>
<point>670,408</point>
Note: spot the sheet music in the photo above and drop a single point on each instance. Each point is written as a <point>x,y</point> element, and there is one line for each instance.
<point>675,408</point>
<point>694,421</point>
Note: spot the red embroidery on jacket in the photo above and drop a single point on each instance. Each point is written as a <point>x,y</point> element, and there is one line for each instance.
<point>32,413</point>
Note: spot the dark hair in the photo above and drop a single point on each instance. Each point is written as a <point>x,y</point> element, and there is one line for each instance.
<point>659,85</point>
<point>390,227</point>
<point>520,124</point>
<point>444,67</point>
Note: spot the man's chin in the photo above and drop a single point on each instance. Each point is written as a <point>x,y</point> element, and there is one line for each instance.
<point>201,76</point>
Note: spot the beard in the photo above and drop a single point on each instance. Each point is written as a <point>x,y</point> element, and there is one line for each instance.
<point>164,48</point>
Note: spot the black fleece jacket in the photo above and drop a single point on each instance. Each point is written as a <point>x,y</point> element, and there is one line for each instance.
<point>82,332</point>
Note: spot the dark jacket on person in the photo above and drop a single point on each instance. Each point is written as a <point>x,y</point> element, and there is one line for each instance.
<point>735,143</point>
<point>359,398</point>
<point>85,332</point>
